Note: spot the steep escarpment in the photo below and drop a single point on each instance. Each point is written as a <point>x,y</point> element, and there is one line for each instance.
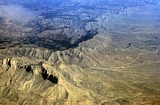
<point>43,82</point>
<point>28,81</point>
<point>78,52</point>
<point>81,55</point>
<point>58,25</point>
<point>25,26</point>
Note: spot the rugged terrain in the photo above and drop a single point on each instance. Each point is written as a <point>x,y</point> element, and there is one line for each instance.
<point>79,52</point>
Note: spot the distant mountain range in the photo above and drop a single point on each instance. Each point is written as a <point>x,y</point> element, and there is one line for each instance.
<point>79,52</point>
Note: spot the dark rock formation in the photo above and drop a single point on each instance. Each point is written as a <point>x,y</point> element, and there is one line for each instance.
<point>53,25</point>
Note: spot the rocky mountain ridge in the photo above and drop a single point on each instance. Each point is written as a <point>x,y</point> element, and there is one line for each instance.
<point>58,26</point>
<point>91,55</point>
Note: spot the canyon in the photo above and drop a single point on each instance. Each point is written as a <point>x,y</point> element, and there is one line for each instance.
<point>79,52</point>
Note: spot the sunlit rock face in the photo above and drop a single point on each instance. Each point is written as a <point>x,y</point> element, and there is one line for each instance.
<point>79,52</point>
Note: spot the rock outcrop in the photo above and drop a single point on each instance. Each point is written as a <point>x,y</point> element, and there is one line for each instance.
<point>79,52</point>
<point>58,25</point>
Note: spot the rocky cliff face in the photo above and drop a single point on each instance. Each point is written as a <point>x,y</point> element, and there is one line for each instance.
<point>79,52</point>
